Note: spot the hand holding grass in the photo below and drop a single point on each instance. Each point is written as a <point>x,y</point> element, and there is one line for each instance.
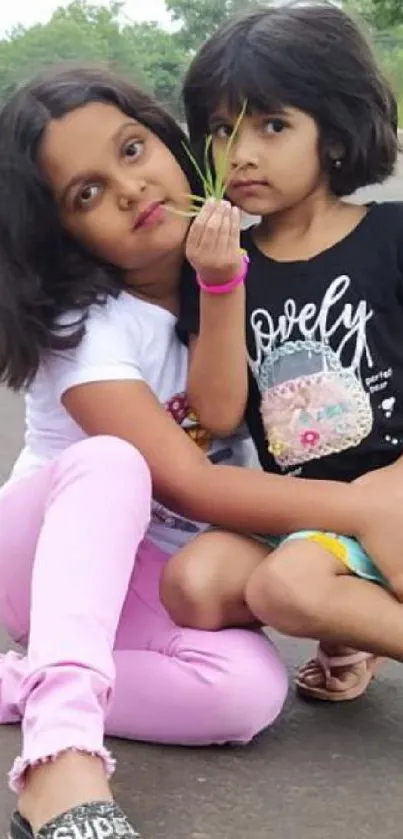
<point>213,246</point>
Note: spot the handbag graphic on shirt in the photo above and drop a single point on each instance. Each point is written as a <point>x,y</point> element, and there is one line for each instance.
<point>311,406</point>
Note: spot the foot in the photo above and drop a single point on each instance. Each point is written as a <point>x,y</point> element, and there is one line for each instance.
<point>62,785</point>
<point>337,675</point>
<point>97,819</point>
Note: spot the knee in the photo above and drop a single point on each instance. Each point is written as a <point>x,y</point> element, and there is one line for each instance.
<point>252,690</point>
<point>187,595</point>
<point>396,586</point>
<point>109,472</point>
<point>279,600</point>
<point>109,455</point>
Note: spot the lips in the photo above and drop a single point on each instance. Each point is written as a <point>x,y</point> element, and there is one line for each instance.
<point>151,214</point>
<point>247,184</point>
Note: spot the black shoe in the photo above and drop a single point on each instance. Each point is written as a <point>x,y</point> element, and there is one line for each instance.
<point>100,820</point>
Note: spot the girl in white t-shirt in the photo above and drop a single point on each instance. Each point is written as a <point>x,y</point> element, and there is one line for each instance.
<point>93,182</point>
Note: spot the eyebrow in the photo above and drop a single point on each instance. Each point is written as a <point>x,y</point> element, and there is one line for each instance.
<point>82,176</point>
<point>221,116</point>
<point>218,117</point>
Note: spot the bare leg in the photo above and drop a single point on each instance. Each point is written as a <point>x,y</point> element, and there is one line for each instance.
<point>203,586</point>
<point>304,591</point>
<point>52,787</point>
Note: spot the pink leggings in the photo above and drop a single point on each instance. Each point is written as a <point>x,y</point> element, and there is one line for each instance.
<point>79,588</point>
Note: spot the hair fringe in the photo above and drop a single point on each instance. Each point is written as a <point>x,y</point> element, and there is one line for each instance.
<point>312,57</point>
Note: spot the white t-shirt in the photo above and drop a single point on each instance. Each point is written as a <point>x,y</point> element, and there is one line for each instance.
<point>126,339</point>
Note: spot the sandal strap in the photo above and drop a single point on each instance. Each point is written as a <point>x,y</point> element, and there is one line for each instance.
<point>329,663</point>
<point>98,820</point>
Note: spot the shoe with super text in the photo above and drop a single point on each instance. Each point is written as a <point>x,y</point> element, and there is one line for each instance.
<point>98,820</point>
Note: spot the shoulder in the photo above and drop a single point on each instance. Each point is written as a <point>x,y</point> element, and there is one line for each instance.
<point>111,345</point>
<point>123,309</point>
<point>104,314</point>
<point>384,233</point>
<point>391,209</point>
<point>120,320</point>
<point>387,216</point>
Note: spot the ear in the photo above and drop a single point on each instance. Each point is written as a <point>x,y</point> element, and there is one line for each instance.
<point>337,154</point>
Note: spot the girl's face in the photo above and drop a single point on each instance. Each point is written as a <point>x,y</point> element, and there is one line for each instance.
<point>114,181</point>
<point>273,162</point>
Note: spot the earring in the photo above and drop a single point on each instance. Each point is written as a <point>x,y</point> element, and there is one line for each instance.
<point>337,163</point>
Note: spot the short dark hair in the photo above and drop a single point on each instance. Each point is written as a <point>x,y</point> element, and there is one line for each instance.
<point>43,271</point>
<point>311,57</point>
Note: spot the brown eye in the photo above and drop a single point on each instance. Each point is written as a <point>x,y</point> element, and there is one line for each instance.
<point>222,132</point>
<point>274,126</point>
<point>88,194</point>
<point>133,149</point>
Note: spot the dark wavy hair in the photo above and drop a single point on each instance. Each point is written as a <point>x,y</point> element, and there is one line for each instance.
<point>310,57</point>
<point>43,271</point>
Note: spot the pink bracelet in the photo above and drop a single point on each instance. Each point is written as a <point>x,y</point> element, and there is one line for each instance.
<point>225,288</point>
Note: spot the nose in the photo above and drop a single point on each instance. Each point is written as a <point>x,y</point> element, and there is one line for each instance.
<point>129,190</point>
<point>243,151</point>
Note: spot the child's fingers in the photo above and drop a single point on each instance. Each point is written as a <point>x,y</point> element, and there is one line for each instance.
<point>197,229</point>
<point>212,233</point>
<point>230,233</point>
<point>224,231</point>
<point>234,236</point>
<point>213,246</point>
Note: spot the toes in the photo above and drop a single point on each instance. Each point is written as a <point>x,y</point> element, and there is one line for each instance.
<point>312,675</point>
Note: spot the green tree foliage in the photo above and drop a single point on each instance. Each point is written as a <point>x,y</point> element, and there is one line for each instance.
<point>383,21</point>
<point>151,56</point>
<point>161,58</point>
<point>382,14</point>
<point>199,18</point>
<point>84,32</point>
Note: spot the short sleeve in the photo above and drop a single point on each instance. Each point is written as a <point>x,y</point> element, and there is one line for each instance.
<point>109,351</point>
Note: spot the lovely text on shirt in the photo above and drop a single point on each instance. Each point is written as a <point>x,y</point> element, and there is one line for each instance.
<point>316,322</point>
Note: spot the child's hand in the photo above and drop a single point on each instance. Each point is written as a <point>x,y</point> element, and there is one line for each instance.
<point>213,246</point>
<point>382,529</point>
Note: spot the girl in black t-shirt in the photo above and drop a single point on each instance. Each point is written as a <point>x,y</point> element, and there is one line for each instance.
<point>299,116</point>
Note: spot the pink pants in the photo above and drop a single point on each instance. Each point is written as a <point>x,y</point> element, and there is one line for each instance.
<point>79,587</point>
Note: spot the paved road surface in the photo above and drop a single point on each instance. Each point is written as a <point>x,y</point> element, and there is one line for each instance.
<point>321,773</point>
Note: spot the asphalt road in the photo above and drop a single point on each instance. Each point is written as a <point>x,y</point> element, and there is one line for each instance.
<point>321,773</point>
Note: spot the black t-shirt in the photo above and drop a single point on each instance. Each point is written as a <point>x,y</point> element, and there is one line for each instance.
<point>325,348</point>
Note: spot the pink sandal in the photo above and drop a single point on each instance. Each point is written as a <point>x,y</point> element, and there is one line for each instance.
<point>360,667</point>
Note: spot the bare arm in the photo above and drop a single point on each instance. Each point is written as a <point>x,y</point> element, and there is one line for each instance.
<point>218,376</point>
<point>186,482</point>
<point>218,379</point>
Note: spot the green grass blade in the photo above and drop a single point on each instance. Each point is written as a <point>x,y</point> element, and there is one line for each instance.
<point>214,183</point>
<point>197,168</point>
<point>197,199</point>
<point>224,169</point>
<point>221,167</point>
<point>208,170</point>
<point>192,213</point>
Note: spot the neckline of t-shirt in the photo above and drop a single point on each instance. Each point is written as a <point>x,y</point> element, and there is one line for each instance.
<point>325,254</point>
<point>158,311</point>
